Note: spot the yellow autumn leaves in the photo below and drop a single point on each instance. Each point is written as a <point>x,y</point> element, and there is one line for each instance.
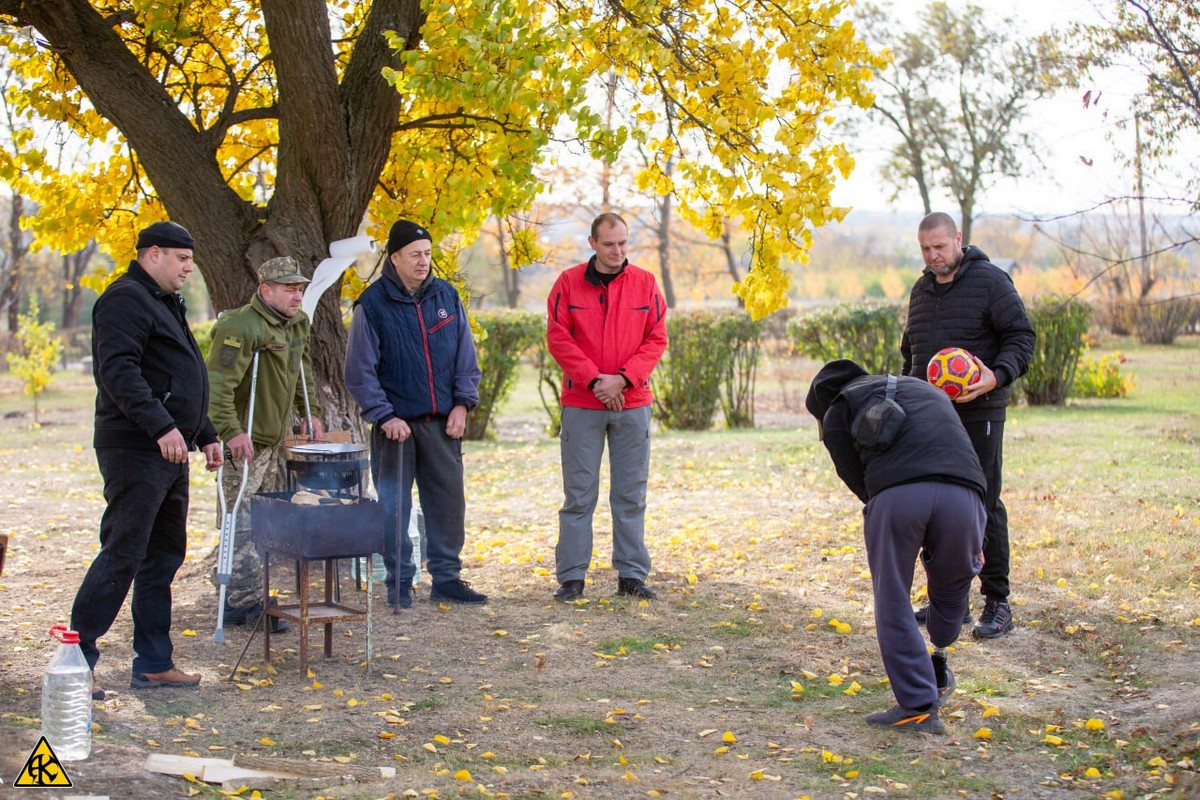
<point>730,107</point>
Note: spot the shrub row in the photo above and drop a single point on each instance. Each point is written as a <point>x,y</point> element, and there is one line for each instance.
<point>867,333</point>
<point>711,361</point>
<point>870,334</point>
<point>713,356</point>
<point>1061,323</point>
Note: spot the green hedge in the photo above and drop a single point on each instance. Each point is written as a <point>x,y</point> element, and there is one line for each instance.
<point>687,382</point>
<point>740,339</point>
<point>550,381</point>
<point>867,333</point>
<point>711,361</point>
<point>203,333</point>
<point>1061,324</point>
<point>509,335</point>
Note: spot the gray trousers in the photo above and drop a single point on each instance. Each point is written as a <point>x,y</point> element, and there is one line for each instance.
<point>582,440</point>
<point>943,523</point>
<point>434,461</point>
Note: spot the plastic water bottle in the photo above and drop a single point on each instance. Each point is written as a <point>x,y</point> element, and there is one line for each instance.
<point>67,699</point>
<point>416,532</point>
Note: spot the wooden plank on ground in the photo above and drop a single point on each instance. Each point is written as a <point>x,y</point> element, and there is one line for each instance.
<point>249,767</point>
<point>315,769</point>
<point>209,770</point>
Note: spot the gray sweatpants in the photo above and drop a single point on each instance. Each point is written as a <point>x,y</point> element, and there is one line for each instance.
<point>943,522</point>
<point>584,433</point>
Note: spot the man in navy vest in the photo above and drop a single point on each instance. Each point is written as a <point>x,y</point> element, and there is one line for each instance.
<point>411,367</point>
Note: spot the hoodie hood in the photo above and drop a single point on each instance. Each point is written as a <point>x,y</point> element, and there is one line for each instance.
<point>828,383</point>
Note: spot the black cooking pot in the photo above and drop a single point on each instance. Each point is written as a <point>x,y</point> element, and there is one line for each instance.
<point>327,465</point>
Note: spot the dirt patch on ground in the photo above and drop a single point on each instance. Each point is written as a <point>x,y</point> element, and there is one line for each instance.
<point>736,683</point>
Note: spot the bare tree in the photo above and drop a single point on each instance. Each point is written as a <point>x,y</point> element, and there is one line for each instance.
<point>957,97</point>
<point>75,266</point>
<point>1161,40</point>
<point>1127,246</point>
<point>13,264</point>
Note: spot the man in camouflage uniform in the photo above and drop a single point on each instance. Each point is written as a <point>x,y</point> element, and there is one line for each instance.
<point>273,325</point>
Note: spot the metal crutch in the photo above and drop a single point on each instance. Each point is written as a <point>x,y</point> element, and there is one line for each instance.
<point>229,517</point>
<point>307,409</point>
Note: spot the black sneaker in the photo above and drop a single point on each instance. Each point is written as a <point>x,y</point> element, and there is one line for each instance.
<point>922,614</point>
<point>569,591</point>
<point>456,591</point>
<point>405,596</point>
<point>945,679</point>
<point>995,621</point>
<point>906,719</point>
<point>632,587</point>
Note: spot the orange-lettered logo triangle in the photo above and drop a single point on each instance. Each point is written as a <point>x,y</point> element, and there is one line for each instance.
<point>42,769</point>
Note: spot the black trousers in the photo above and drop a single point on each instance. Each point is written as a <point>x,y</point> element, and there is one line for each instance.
<point>434,461</point>
<point>988,440</point>
<point>143,538</point>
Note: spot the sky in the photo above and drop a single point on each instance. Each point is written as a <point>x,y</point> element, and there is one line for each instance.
<point>1071,134</point>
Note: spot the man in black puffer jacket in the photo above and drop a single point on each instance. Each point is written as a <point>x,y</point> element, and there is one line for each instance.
<point>923,488</point>
<point>963,300</point>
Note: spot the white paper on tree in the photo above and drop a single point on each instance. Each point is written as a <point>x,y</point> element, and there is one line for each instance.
<point>343,253</point>
<point>351,248</point>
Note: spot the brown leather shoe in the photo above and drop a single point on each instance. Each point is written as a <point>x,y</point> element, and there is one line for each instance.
<point>172,677</point>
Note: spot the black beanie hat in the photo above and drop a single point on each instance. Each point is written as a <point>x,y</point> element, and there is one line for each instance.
<point>166,234</point>
<point>404,233</point>
<point>832,378</point>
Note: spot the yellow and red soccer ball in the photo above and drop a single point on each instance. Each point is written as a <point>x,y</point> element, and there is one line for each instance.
<point>952,370</point>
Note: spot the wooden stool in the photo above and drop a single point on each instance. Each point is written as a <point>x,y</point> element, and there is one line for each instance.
<point>305,613</point>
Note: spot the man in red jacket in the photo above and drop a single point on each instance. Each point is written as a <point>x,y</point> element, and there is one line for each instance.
<point>606,328</point>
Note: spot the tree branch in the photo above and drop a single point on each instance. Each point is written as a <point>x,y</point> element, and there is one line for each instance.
<point>175,155</point>
<point>370,103</point>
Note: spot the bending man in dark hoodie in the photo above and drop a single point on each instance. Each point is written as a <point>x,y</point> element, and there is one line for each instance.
<point>923,492</point>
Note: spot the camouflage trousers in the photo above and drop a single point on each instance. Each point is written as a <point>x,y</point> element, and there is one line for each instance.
<point>246,575</point>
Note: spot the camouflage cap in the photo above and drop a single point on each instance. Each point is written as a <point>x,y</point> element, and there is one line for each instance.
<point>283,269</point>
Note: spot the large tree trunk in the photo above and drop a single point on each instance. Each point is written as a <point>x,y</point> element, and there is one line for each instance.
<point>334,139</point>
<point>511,277</point>
<point>731,262</point>
<point>664,245</point>
<point>966,208</point>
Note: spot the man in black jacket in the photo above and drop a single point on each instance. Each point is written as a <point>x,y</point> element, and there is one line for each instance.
<point>963,300</point>
<point>916,471</point>
<point>151,410</point>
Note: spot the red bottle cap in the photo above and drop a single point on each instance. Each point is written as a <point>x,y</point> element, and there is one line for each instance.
<point>62,634</point>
